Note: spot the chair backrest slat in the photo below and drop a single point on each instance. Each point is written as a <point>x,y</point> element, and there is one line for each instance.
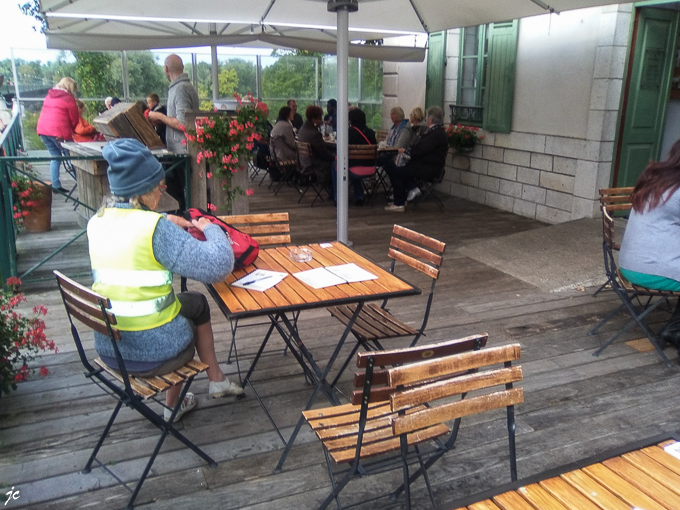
<point>362,151</point>
<point>412,249</point>
<point>422,352</point>
<point>416,250</point>
<point>267,229</point>
<point>462,384</point>
<point>410,374</point>
<point>414,263</point>
<point>407,355</point>
<point>437,379</point>
<point>417,237</point>
<point>446,412</point>
<point>381,135</point>
<point>83,305</point>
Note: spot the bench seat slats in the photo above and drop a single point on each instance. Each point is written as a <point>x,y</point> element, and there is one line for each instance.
<point>391,444</point>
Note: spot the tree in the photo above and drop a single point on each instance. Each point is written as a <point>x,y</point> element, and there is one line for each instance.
<point>145,74</point>
<point>247,75</point>
<point>228,81</point>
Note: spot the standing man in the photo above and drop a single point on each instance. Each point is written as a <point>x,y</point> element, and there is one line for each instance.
<point>331,117</point>
<point>297,118</point>
<point>182,98</point>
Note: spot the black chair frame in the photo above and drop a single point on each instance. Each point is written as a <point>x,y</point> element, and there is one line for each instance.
<point>638,301</point>
<point>124,393</point>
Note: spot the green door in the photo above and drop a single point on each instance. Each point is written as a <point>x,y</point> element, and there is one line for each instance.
<point>436,64</point>
<point>647,94</point>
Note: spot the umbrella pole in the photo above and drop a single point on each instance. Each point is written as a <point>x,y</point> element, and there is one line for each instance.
<point>342,9</point>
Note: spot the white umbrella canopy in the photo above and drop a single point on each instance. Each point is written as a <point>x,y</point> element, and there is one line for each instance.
<point>318,25</point>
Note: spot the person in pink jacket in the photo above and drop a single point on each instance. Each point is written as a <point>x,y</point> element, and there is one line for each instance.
<point>58,120</point>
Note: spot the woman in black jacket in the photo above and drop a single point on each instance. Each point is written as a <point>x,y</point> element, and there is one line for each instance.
<point>427,158</point>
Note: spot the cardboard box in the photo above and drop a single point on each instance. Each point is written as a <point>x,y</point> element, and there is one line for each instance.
<point>126,120</point>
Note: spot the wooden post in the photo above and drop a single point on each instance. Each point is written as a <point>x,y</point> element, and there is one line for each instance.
<point>200,184</point>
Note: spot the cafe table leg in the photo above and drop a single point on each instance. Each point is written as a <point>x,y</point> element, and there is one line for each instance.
<point>321,383</point>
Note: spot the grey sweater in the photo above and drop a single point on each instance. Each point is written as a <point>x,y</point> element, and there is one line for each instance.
<point>207,261</point>
<point>182,98</point>
<point>651,243</point>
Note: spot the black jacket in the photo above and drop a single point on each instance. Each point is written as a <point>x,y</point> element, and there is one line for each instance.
<point>321,156</point>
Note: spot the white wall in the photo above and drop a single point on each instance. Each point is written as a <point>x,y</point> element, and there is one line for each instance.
<point>554,51</point>
<point>403,82</point>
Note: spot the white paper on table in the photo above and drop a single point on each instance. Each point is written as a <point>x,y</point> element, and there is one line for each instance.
<point>673,449</point>
<point>351,273</point>
<point>326,245</point>
<point>319,278</point>
<point>260,280</point>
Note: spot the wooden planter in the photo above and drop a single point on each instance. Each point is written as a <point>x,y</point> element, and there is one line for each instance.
<point>202,187</point>
<point>39,217</point>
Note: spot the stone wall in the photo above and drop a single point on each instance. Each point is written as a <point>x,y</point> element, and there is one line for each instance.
<point>543,176</point>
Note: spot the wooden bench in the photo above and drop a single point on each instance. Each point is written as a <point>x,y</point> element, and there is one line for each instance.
<point>413,406</point>
<point>91,309</point>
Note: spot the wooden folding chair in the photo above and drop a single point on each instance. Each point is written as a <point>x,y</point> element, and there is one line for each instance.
<point>381,135</point>
<point>91,309</point>
<point>614,200</point>
<point>404,422</point>
<point>269,229</point>
<point>631,295</point>
<point>365,153</point>
<point>306,172</point>
<point>376,323</point>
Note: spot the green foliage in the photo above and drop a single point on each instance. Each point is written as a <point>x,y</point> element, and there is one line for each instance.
<point>228,81</point>
<point>30,122</point>
<point>94,74</point>
<point>246,72</point>
<point>146,74</point>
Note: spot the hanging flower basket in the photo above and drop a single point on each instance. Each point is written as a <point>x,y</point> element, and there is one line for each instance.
<point>463,138</point>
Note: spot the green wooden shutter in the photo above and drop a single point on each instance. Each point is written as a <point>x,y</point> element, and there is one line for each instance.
<point>436,62</point>
<point>500,76</point>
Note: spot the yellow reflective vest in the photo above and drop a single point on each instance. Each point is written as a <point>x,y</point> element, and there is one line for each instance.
<point>125,270</point>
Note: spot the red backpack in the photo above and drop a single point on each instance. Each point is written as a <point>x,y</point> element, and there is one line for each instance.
<point>245,247</point>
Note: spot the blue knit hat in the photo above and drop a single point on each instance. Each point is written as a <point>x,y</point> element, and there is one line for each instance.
<point>133,170</point>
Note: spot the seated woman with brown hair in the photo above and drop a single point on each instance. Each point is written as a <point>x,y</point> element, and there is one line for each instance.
<point>650,250</point>
<point>322,158</point>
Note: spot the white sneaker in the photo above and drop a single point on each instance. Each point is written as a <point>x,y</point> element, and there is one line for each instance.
<point>188,404</point>
<point>223,389</point>
<point>415,192</point>
<point>395,208</point>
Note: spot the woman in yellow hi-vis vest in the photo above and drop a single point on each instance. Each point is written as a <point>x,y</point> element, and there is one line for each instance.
<point>134,251</point>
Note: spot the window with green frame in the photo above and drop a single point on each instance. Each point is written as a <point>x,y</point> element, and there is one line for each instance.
<point>486,75</point>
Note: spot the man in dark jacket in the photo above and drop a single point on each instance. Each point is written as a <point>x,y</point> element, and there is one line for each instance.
<point>428,156</point>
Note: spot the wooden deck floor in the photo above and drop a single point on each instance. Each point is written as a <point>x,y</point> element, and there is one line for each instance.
<point>576,405</point>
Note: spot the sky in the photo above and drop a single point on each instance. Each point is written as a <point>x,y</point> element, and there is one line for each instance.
<point>16,29</point>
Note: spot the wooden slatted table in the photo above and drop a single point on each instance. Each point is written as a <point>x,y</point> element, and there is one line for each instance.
<point>644,477</point>
<point>292,295</point>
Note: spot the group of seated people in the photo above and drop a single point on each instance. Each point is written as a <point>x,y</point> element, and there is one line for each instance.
<point>421,148</point>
